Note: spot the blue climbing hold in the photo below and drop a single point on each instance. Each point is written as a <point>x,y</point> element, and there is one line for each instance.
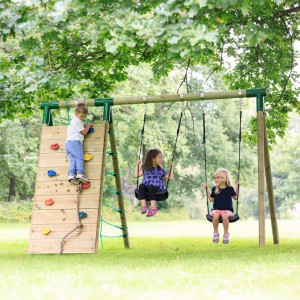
<point>51,173</point>
<point>82,215</point>
<point>91,130</point>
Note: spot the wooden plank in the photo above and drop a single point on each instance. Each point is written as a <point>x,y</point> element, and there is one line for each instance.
<point>66,201</point>
<point>91,172</point>
<point>43,246</point>
<point>64,188</point>
<point>58,231</point>
<point>63,216</point>
<point>60,132</point>
<point>61,160</point>
<point>89,145</point>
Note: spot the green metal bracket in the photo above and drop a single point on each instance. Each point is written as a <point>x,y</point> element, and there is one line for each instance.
<point>106,112</point>
<point>259,94</point>
<point>50,105</point>
<point>47,116</point>
<point>103,101</point>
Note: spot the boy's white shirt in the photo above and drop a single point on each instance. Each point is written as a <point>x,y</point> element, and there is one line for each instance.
<point>73,131</point>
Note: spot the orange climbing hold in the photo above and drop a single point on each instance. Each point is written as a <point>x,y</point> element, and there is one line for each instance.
<point>88,156</point>
<point>54,146</point>
<point>45,231</point>
<point>49,201</point>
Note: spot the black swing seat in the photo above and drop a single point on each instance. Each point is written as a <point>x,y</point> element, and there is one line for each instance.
<point>160,195</point>
<point>231,220</point>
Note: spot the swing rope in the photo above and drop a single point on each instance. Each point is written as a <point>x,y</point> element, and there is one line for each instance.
<point>177,135</point>
<point>141,141</point>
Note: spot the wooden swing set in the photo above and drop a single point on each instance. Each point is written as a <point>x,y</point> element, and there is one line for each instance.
<point>264,167</point>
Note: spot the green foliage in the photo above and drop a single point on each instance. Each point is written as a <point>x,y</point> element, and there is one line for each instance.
<point>19,144</point>
<point>60,49</point>
<point>15,212</point>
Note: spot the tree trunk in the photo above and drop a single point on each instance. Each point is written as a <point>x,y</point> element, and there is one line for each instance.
<point>12,190</point>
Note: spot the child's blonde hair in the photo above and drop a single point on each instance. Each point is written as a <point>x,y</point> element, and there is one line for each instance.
<point>81,108</point>
<point>226,174</point>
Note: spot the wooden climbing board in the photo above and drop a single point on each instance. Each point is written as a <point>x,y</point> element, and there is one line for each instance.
<point>61,217</point>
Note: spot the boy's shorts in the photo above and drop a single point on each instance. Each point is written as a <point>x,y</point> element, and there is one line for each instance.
<point>221,212</point>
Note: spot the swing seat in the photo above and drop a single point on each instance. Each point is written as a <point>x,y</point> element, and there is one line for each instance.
<point>231,219</point>
<point>160,196</point>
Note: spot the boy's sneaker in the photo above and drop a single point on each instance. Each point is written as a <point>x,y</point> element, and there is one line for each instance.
<point>152,211</point>
<point>73,180</point>
<point>82,178</point>
<point>144,209</point>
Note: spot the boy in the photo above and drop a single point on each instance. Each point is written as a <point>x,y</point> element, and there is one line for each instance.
<point>74,144</point>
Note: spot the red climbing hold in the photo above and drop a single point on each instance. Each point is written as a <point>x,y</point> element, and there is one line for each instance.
<point>54,146</point>
<point>49,201</point>
<point>86,185</point>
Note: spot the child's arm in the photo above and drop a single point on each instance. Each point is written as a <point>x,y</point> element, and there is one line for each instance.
<point>86,128</point>
<point>138,170</point>
<point>211,199</point>
<point>237,190</point>
<point>170,176</point>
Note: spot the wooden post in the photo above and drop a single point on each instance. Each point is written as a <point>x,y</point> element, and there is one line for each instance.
<point>261,177</point>
<point>114,156</point>
<point>270,188</point>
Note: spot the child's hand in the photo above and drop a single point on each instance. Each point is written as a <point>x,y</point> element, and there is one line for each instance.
<point>88,125</point>
<point>206,186</point>
<point>138,162</point>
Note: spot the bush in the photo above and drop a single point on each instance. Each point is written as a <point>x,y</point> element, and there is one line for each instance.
<point>15,212</point>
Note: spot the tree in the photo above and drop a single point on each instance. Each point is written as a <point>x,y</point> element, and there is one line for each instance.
<point>19,143</point>
<point>58,49</point>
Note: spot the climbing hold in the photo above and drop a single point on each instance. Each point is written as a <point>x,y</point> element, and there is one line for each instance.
<point>88,156</point>
<point>45,231</point>
<point>51,173</point>
<point>49,201</point>
<point>82,215</point>
<point>91,130</point>
<point>86,185</point>
<point>54,146</point>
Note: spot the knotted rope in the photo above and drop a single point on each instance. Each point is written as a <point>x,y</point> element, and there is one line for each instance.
<point>79,225</point>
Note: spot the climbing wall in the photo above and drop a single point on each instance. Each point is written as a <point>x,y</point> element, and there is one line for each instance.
<point>50,223</point>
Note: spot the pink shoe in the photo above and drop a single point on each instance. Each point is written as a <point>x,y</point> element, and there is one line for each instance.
<point>226,238</point>
<point>144,209</point>
<point>216,237</point>
<point>152,211</point>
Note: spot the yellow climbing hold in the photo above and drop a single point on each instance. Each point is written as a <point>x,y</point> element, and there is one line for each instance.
<point>88,156</point>
<point>45,231</point>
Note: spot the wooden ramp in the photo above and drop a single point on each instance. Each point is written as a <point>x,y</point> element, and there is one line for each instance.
<point>61,217</point>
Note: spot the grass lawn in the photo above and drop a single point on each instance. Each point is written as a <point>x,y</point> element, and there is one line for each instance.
<point>167,260</point>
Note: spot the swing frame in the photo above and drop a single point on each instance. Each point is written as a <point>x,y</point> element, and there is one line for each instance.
<point>264,166</point>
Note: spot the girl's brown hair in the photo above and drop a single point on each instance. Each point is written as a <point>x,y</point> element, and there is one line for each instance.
<point>151,154</point>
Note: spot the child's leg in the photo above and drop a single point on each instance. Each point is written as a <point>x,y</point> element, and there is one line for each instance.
<point>72,162</point>
<point>225,222</point>
<point>79,158</point>
<point>152,196</point>
<point>142,197</point>
<point>215,221</point>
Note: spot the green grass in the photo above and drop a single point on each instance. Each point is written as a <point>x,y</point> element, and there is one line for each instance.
<point>154,268</point>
